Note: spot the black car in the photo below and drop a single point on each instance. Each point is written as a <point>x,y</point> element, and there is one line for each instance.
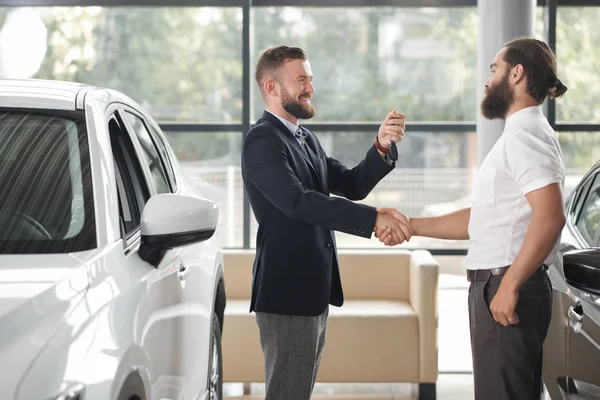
<point>572,347</point>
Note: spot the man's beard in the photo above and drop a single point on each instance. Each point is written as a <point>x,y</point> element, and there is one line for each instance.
<point>497,100</point>
<point>295,108</point>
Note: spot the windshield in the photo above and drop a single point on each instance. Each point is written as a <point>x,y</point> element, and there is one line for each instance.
<point>46,202</point>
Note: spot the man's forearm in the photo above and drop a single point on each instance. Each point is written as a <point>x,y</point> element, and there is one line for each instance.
<point>356,183</point>
<point>540,238</point>
<point>453,226</point>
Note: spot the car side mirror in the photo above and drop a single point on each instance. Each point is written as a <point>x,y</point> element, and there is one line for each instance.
<point>174,220</point>
<point>582,269</point>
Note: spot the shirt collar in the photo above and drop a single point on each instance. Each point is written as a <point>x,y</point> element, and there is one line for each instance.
<point>517,117</point>
<point>292,127</point>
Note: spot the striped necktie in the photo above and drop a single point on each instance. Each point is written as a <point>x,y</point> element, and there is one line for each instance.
<point>301,135</point>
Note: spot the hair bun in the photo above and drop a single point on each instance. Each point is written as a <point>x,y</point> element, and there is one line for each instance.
<point>557,89</point>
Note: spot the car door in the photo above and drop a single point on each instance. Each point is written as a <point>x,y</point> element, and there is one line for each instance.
<point>200,259</point>
<point>580,268</point>
<point>162,323</point>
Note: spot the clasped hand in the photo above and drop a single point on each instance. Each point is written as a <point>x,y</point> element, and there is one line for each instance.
<point>392,227</point>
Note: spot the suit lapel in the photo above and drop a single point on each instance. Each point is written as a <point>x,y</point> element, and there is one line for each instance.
<point>311,147</point>
<point>312,161</point>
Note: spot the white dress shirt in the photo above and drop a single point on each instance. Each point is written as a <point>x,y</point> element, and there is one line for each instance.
<point>290,125</point>
<point>526,157</point>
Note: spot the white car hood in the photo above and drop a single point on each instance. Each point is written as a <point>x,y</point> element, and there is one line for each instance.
<point>37,292</point>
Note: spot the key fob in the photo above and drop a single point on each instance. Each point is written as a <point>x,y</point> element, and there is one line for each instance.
<point>393,151</point>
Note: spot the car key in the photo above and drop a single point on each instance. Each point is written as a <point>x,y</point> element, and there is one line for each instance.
<point>392,150</point>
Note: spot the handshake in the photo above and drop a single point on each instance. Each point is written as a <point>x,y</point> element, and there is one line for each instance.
<point>392,227</point>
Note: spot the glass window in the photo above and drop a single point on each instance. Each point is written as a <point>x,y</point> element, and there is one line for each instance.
<point>180,64</point>
<point>578,58</point>
<point>46,202</point>
<point>432,177</point>
<point>150,152</point>
<point>132,191</point>
<point>166,154</point>
<point>540,23</point>
<point>211,162</point>
<point>587,223</point>
<point>367,61</point>
<point>581,150</point>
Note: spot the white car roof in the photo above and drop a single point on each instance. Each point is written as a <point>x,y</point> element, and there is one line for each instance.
<point>52,95</point>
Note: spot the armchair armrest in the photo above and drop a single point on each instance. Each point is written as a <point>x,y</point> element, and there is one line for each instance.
<point>423,296</point>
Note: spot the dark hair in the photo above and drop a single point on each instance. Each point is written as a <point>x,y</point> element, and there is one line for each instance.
<point>540,67</point>
<point>272,59</point>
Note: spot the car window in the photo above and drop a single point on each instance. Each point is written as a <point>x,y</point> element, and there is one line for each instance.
<point>131,188</point>
<point>577,197</point>
<point>165,154</point>
<point>589,216</point>
<point>150,153</point>
<point>46,200</point>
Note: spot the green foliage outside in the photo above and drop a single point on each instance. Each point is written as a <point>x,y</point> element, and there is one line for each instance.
<point>185,65</point>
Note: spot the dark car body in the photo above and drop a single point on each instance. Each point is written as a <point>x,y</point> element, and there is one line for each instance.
<point>572,346</point>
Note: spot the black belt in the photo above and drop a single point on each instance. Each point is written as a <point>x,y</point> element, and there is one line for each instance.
<point>476,275</point>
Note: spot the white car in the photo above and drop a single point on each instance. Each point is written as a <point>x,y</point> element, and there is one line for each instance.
<point>111,281</point>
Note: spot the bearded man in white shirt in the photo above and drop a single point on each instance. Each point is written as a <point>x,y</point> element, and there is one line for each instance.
<point>514,225</point>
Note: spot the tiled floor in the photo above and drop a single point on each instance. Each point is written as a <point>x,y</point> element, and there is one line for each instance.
<point>454,353</point>
<point>454,356</point>
<point>455,381</point>
<point>449,387</point>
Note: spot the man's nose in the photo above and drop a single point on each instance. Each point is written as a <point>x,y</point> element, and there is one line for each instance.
<point>310,88</point>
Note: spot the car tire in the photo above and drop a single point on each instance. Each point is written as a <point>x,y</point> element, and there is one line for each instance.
<point>215,364</point>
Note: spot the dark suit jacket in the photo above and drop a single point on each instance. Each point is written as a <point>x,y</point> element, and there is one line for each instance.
<point>296,269</point>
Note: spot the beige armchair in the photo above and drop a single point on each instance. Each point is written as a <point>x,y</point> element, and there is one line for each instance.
<point>386,331</point>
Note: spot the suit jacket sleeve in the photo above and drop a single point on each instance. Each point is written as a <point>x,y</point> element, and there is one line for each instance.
<point>357,183</point>
<point>267,167</point>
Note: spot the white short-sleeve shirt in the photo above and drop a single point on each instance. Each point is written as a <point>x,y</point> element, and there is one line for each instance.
<point>526,157</point>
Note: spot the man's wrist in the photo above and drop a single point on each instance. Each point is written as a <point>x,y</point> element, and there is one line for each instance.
<point>514,277</point>
<point>415,226</point>
<point>509,285</point>
<point>380,148</point>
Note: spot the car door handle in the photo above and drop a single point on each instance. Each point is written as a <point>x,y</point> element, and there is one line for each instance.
<point>576,314</point>
<point>183,271</point>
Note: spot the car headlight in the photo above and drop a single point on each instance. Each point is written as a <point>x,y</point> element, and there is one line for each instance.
<point>73,391</point>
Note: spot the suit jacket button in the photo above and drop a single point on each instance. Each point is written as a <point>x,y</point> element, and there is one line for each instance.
<point>328,244</point>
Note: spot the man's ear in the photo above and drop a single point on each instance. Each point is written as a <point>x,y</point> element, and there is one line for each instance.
<point>270,87</point>
<point>517,73</point>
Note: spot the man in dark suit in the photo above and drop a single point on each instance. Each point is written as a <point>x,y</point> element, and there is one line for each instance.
<point>289,178</point>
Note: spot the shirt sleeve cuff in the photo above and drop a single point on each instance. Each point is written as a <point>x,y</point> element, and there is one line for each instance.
<point>540,183</point>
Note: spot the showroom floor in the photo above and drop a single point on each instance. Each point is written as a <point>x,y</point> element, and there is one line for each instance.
<point>455,381</point>
<point>450,387</point>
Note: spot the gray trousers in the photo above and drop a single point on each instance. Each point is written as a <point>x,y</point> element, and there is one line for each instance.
<point>292,346</point>
<point>507,360</point>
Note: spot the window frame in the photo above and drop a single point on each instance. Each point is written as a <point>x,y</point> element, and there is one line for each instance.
<point>129,159</point>
<point>577,202</point>
<point>246,122</point>
<point>171,163</point>
<point>593,181</point>
<point>140,148</point>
